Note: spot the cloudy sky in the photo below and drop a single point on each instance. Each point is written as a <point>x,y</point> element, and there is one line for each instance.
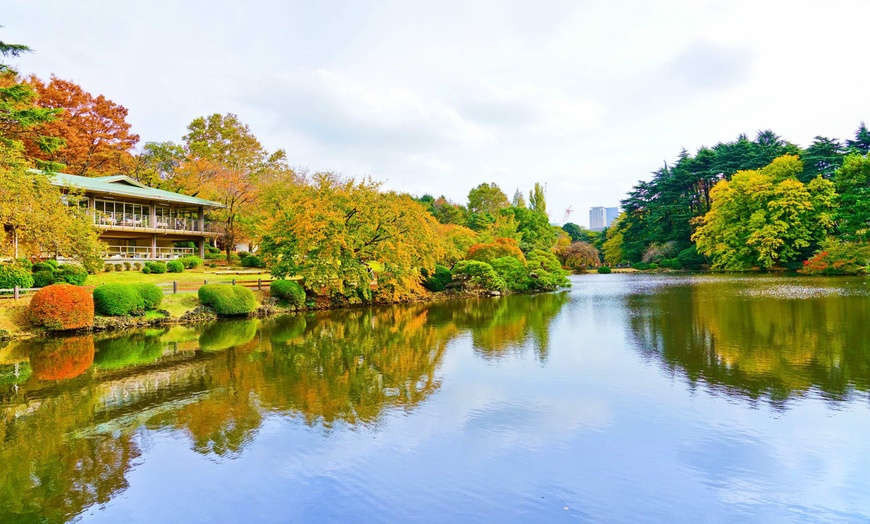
<point>585,96</point>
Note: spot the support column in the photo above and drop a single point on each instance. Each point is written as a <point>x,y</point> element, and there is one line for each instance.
<point>153,217</point>
<point>201,219</point>
<point>153,246</point>
<point>202,248</point>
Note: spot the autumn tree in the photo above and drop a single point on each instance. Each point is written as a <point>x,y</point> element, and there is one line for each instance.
<point>765,217</point>
<point>332,231</point>
<point>224,161</point>
<point>579,256</point>
<point>96,134</point>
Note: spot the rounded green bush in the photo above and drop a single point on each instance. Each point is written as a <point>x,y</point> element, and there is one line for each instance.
<point>42,266</point>
<point>12,275</point>
<point>604,270</point>
<point>146,270</point>
<point>108,268</point>
<point>640,266</point>
<point>288,291</point>
<point>478,274</point>
<point>191,262</point>
<point>43,278</point>
<point>175,266</point>
<point>71,274</point>
<point>228,300</point>
<point>438,280</point>
<point>118,300</point>
<point>653,265</point>
<point>252,261</point>
<point>151,295</point>
<point>158,268</point>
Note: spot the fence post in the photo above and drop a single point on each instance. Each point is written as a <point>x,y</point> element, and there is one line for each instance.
<point>204,282</point>
<point>174,287</point>
<point>234,282</point>
<point>259,284</point>
<point>15,293</point>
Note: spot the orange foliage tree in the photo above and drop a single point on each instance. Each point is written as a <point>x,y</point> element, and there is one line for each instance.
<point>501,247</point>
<point>97,136</point>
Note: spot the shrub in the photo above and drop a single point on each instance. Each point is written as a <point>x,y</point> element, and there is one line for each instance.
<point>158,268</point>
<point>25,263</point>
<point>119,267</point>
<point>478,274</point>
<point>546,271</point>
<point>151,295</point>
<point>228,300</point>
<point>61,306</point>
<point>288,291</point>
<point>604,270</point>
<point>43,278</point>
<point>652,265</point>
<point>640,266</point>
<point>252,261</point>
<point>690,258</point>
<point>127,266</point>
<point>146,270</point>
<point>215,256</point>
<point>175,266</point>
<point>12,275</point>
<point>838,258</point>
<point>53,263</point>
<point>242,254</point>
<point>42,266</point>
<point>108,268</point>
<point>211,249</point>
<point>137,266</point>
<point>514,273</point>
<point>118,299</point>
<point>71,274</point>
<point>437,281</point>
<point>191,262</point>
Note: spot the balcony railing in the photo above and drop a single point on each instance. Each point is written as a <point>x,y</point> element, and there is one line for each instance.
<point>142,221</point>
<point>146,253</point>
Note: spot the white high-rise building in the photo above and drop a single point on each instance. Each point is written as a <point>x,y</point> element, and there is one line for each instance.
<point>596,218</point>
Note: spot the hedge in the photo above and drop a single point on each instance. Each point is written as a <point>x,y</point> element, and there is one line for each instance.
<point>151,295</point>
<point>12,275</point>
<point>158,268</point>
<point>228,299</point>
<point>175,266</point>
<point>118,300</point>
<point>604,270</point>
<point>288,291</point>
<point>46,274</point>
<point>60,307</point>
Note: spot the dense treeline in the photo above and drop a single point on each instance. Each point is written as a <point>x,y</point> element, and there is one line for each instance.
<point>748,203</point>
<point>346,238</point>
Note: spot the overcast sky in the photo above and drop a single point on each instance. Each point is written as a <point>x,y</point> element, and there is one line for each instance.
<point>585,96</point>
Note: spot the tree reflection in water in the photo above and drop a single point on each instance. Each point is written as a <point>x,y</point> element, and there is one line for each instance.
<point>758,340</point>
<point>68,430</point>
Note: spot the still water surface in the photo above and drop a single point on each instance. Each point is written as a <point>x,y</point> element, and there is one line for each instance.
<point>628,398</point>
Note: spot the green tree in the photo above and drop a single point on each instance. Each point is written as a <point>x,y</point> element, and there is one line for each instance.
<point>487,198</point>
<point>852,182</point>
<point>861,143</point>
<point>538,199</point>
<point>765,217</point>
<point>823,157</point>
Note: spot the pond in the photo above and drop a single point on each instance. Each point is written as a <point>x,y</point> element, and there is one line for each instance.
<point>628,398</point>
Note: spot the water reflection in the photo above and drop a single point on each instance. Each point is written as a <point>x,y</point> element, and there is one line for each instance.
<point>70,407</point>
<point>772,339</point>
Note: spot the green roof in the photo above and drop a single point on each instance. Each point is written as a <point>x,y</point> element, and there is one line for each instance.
<point>124,186</point>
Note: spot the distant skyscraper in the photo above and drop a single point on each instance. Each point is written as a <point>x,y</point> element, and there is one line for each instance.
<point>610,215</point>
<point>596,218</point>
<point>601,217</point>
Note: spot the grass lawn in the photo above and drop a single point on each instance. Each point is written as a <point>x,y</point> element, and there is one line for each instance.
<point>188,276</point>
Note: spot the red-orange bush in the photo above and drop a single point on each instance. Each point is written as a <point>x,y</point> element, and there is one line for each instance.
<point>62,306</point>
<point>63,358</point>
